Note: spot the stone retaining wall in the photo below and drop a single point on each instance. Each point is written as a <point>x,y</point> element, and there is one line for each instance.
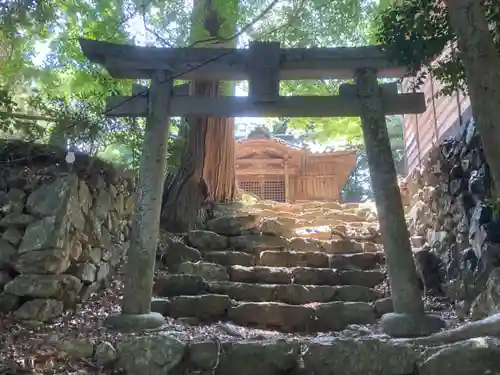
<point>63,232</point>
<point>448,210</point>
<point>163,352</point>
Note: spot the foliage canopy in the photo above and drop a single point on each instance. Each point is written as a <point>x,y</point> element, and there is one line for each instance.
<point>62,87</point>
<point>418,34</point>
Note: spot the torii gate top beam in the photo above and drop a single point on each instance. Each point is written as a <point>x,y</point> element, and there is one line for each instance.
<point>127,61</point>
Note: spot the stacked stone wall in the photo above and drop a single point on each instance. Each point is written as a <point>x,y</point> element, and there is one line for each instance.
<point>449,209</point>
<point>63,229</point>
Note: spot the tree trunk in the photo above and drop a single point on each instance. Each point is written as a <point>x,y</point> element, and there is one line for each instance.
<point>481,63</point>
<point>218,167</point>
<point>207,171</point>
<point>187,192</point>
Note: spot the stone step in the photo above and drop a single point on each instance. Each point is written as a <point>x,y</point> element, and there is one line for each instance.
<point>364,261</point>
<point>229,258</point>
<point>293,258</point>
<point>335,355</point>
<point>314,317</point>
<point>293,294</point>
<point>319,317</point>
<point>176,285</point>
<point>305,276</point>
<point>309,285</point>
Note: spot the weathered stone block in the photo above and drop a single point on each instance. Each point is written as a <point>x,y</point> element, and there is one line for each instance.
<point>281,227</point>
<point>229,258</point>
<point>176,285</point>
<point>48,199</point>
<point>342,247</point>
<point>41,310</point>
<point>177,252</point>
<point>383,306</point>
<point>16,220</point>
<point>351,356</point>
<point>52,261</point>
<point>103,204</point>
<point>9,302</point>
<point>366,278</point>
<point>76,348</point>
<point>243,291</point>
<point>14,201</point>
<point>129,205</point>
<point>103,271</point>
<point>105,353</point>
<point>257,274</point>
<point>253,242</point>
<point>335,316</point>
<point>154,354</point>
<point>232,225</point>
<point>42,234</point>
<point>43,286</point>
<point>89,289</point>
<point>272,315</point>
<point>356,293</point>
<point>84,197</point>
<point>7,253</point>
<point>304,244</point>
<point>205,240</point>
<point>294,259</point>
<point>207,307</point>
<point>5,277</point>
<point>13,235</point>
<point>91,254</point>
<point>364,261</point>
<point>264,358</point>
<point>76,250</point>
<point>85,272</point>
<point>316,276</point>
<point>209,271</point>
<point>473,356</point>
<point>160,305</point>
<point>296,294</point>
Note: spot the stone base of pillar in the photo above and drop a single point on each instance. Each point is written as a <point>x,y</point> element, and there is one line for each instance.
<point>399,325</point>
<point>134,322</point>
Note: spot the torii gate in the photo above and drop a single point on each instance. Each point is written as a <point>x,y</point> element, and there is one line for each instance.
<point>264,64</point>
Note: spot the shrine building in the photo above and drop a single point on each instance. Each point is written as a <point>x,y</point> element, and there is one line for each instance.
<point>275,168</point>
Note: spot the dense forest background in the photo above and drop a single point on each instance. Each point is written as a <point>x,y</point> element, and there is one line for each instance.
<point>50,93</point>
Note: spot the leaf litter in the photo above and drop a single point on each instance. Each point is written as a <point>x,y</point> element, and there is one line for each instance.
<point>31,347</point>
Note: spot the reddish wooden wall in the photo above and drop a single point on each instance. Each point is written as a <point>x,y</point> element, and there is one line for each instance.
<point>440,120</point>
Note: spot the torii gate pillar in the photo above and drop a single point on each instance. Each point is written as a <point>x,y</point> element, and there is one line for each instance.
<point>409,319</point>
<point>139,270</point>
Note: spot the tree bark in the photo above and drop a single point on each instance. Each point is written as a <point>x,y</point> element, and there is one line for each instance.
<point>185,196</point>
<point>481,62</point>
<point>218,167</point>
<point>207,170</point>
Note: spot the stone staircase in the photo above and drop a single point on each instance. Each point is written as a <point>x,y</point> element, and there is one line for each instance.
<point>255,268</point>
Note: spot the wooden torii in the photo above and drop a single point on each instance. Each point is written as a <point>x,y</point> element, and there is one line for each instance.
<point>263,64</point>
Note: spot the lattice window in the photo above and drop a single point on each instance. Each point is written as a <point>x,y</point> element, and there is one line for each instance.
<point>274,191</point>
<point>251,187</point>
<point>270,190</point>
